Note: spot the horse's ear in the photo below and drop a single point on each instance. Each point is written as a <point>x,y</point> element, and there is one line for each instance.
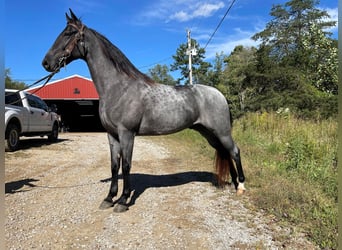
<point>73,16</point>
<point>68,18</point>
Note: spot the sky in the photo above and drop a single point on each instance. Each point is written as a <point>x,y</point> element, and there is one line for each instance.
<point>148,32</point>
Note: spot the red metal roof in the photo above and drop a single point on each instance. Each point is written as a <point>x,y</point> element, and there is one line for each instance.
<point>71,88</point>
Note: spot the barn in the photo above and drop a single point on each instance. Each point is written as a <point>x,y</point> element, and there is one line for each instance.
<point>76,100</point>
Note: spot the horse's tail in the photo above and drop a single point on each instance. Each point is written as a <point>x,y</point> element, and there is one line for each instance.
<point>223,164</point>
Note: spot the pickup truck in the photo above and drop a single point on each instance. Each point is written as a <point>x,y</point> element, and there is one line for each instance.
<point>27,115</point>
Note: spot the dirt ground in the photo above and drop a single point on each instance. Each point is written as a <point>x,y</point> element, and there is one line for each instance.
<point>53,193</point>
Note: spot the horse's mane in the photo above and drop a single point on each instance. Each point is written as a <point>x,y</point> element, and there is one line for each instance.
<point>119,60</point>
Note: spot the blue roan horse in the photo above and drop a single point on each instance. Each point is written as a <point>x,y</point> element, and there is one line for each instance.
<point>133,104</point>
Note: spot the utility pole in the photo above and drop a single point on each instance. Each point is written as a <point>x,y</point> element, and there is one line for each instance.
<point>190,51</point>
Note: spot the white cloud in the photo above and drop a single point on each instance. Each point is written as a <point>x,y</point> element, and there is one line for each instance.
<point>196,11</point>
<point>333,16</point>
<point>181,16</point>
<point>228,43</point>
<point>180,10</point>
<point>206,10</point>
<point>333,13</point>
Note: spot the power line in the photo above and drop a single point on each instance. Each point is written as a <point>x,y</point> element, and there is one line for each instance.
<point>218,26</point>
<point>158,62</point>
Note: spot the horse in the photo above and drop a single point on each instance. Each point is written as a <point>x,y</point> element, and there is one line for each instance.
<point>132,104</point>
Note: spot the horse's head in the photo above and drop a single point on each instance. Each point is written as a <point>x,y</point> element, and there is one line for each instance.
<point>68,46</point>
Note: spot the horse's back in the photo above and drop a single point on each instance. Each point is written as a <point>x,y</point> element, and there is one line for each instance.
<point>167,109</point>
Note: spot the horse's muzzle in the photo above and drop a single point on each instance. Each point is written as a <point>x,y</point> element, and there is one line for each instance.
<point>47,65</point>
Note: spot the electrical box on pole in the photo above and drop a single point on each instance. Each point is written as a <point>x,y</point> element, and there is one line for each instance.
<point>190,52</point>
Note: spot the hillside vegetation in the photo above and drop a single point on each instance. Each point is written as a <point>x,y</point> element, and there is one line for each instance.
<point>291,170</point>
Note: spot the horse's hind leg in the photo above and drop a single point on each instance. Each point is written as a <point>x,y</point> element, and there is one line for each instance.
<point>234,152</point>
<point>115,165</point>
<point>225,147</point>
<point>236,156</point>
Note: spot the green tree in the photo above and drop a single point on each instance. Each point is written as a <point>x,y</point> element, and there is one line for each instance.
<point>290,26</point>
<point>215,75</point>
<point>235,81</point>
<point>160,73</point>
<point>322,60</point>
<point>11,84</point>
<point>200,68</point>
<point>296,62</point>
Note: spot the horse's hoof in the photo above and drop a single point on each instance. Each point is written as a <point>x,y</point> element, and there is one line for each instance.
<point>241,188</point>
<point>106,204</point>
<point>119,208</point>
<point>240,191</point>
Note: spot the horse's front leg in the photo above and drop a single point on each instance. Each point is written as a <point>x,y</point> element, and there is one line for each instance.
<point>126,142</point>
<point>115,166</point>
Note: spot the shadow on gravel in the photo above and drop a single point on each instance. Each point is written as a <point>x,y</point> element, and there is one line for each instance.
<point>141,182</point>
<point>14,186</point>
<point>29,143</point>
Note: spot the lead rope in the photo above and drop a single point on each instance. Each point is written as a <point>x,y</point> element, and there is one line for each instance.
<point>61,63</point>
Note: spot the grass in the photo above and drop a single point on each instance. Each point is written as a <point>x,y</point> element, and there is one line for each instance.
<point>291,170</point>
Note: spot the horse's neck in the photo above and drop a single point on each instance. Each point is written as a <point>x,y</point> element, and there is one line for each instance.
<point>104,75</point>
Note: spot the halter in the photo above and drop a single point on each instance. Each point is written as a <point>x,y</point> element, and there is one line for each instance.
<point>70,47</point>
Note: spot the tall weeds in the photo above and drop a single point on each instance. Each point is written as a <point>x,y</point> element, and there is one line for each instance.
<point>291,167</point>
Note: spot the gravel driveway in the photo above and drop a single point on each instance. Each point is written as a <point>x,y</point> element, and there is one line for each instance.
<point>53,192</point>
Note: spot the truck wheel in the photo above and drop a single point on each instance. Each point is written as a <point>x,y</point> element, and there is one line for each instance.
<point>54,133</point>
<point>12,137</point>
